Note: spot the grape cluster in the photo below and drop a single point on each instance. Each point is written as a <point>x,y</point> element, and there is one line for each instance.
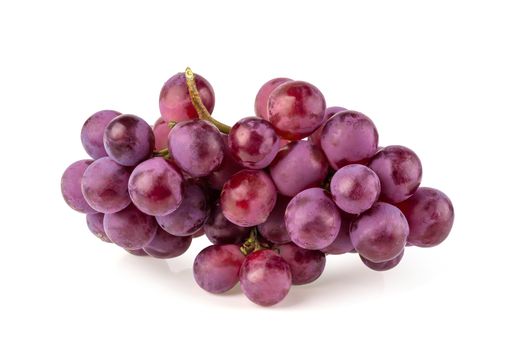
<point>274,194</point>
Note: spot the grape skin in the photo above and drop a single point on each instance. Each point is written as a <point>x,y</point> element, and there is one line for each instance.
<point>95,225</point>
<point>274,229</point>
<point>262,98</point>
<point>306,265</point>
<point>383,266</point>
<point>315,138</point>
<point>167,246</point>
<point>71,186</point>
<point>219,230</point>
<point>130,228</point>
<point>161,131</point>
<point>227,168</point>
<point>342,244</point>
<point>93,130</point>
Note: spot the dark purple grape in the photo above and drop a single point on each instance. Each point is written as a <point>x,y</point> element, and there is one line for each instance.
<point>298,166</point>
<point>296,109</point>
<point>306,265</point>
<point>137,252</point>
<point>349,137</point>
<point>315,138</point>
<point>262,98</point>
<point>198,233</point>
<point>217,268</point>
<point>342,244</point>
<point>71,186</point>
<point>105,186</point>
<point>228,168</point>
<point>166,246</point>
<point>400,172</point>
<point>95,225</point>
<point>430,215</point>
<point>380,233</point>
<point>274,229</point>
<point>265,277</point>
<point>93,131</point>
<point>130,228</point>
<point>161,131</point>
<point>382,266</point>
<point>219,230</point>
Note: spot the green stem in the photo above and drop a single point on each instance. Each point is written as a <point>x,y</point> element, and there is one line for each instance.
<point>253,243</point>
<point>161,153</point>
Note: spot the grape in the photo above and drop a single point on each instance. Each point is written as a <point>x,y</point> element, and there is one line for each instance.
<point>155,187</point>
<point>315,138</point>
<point>248,198</point>
<point>265,277</point>
<point>306,265</point>
<point>137,252</point>
<point>128,140</point>
<point>298,166</point>
<point>382,266</point>
<point>219,230</point>
<point>95,225</point>
<point>198,233</point>
<point>296,109</point>
<point>93,131</point>
<point>253,142</point>
<point>166,246</point>
<point>190,215</point>
<point>161,131</point>
<point>105,186</point>
<point>430,215</point>
<point>342,244</point>
<point>228,168</point>
<point>355,188</point>
<point>380,233</point>
<point>71,186</point>
<point>130,228</point>
<point>312,219</point>
<point>175,102</point>
<point>399,171</point>
<point>274,229</point>
<point>196,146</point>
<point>262,98</point>
<point>349,137</point>
<point>217,268</point>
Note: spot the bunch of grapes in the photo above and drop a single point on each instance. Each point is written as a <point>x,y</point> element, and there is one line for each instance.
<point>274,194</point>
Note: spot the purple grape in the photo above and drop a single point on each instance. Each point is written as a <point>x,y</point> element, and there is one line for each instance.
<point>380,233</point>
<point>105,186</point>
<point>342,244</point>
<point>430,215</point>
<point>219,230</point>
<point>248,198</point>
<point>306,265</point>
<point>198,233</point>
<point>166,246</point>
<point>399,171</point>
<point>312,219</point>
<point>155,187</point>
<point>274,229</point>
<point>137,252</point>
<point>190,215</point>
<point>71,186</point>
<point>262,98</point>
<point>175,102</point>
<point>161,131</point>
<point>95,225</point>
<point>296,109</point>
<point>355,188</point>
<point>382,266</point>
<point>349,137</point>
<point>253,142</point>
<point>196,146</point>
<point>130,228</point>
<point>128,140</point>
<point>298,166</point>
<point>93,131</point>
<point>315,138</point>
<point>217,268</point>
<point>265,277</point>
<point>228,168</point>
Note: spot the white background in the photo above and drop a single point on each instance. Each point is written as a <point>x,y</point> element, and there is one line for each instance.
<point>440,77</point>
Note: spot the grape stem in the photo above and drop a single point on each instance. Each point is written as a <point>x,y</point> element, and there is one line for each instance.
<point>196,100</point>
<point>161,153</point>
<point>253,243</point>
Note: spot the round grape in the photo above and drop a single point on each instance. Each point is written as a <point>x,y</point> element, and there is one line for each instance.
<point>130,228</point>
<point>161,131</point>
<point>306,265</point>
<point>274,229</point>
<point>262,98</point>
<point>382,266</point>
<point>137,252</point>
<point>166,246</point>
<point>219,230</point>
<point>342,244</point>
<point>95,225</point>
<point>315,138</point>
<point>71,186</point>
<point>93,130</point>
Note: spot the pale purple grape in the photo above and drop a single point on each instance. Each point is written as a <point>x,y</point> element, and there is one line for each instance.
<point>228,168</point>
<point>306,265</point>
<point>298,166</point>
<point>253,142</point>
<point>93,130</point>
<point>128,140</point>
<point>382,266</point>
<point>175,102</point>
<point>219,230</point>
<point>274,229</point>
<point>349,137</point>
<point>355,188</point>
<point>167,246</point>
<point>190,215</point>
<point>312,219</point>
<point>95,225</point>
<point>196,146</point>
<point>155,187</point>
<point>262,98</point>
<point>265,277</point>
<point>342,243</point>
<point>248,198</point>
<point>430,215</point>
<point>130,228</point>
<point>161,131</point>
<point>400,172</point>
<point>296,109</point>
<point>315,138</point>
<point>217,268</point>
<point>105,186</point>
<point>137,252</point>
<point>380,233</point>
<point>71,186</point>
